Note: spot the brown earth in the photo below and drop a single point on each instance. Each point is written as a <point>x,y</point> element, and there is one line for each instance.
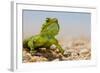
<point>74,49</point>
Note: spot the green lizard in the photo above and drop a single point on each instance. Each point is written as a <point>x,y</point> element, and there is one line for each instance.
<point>45,38</point>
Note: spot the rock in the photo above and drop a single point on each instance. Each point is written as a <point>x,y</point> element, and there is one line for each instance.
<point>53,47</point>
<point>74,54</point>
<point>38,59</point>
<point>76,49</point>
<point>56,60</point>
<point>84,51</point>
<point>26,56</point>
<point>54,54</point>
<point>66,58</point>
<point>42,49</point>
<point>57,50</point>
<point>38,54</point>
<point>67,54</point>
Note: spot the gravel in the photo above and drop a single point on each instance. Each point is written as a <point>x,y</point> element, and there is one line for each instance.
<point>77,49</point>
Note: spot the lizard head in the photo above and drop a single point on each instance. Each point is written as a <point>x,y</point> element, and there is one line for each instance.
<point>50,26</point>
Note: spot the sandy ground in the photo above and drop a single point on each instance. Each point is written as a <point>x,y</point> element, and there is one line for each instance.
<point>74,49</point>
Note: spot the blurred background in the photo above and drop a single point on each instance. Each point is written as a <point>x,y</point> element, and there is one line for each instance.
<point>72,24</point>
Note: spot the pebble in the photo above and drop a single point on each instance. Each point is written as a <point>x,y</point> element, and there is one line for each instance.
<point>38,59</point>
<point>84,51</point>
<point>43,49</point>
<point>53,47</point>
<point>56,60</point>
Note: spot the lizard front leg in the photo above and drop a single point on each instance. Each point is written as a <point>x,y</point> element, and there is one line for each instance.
<point>60,48</point>
<point>32,48</point>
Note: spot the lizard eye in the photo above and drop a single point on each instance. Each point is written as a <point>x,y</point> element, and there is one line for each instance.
<point>47,19</point>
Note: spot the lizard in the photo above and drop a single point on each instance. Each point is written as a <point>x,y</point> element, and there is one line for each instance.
<point>45,38</point>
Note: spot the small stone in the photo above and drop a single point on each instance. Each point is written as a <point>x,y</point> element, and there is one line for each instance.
<point>56,60</point>
<point>26,57</point>
<point>53,47</point>
<point>74,54</point>
<point>44,59</point>
<point>84,51</point>
<point>42,49</point>
<point>55,54</point>
<point>57,51</point>
<point>67,54</point>
<point>38,54</point>
<point>38,59</point>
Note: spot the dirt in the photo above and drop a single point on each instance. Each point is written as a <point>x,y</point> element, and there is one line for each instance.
<point>74,49</point>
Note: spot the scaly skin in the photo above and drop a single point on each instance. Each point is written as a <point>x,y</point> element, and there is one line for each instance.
<point>46,38</point>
